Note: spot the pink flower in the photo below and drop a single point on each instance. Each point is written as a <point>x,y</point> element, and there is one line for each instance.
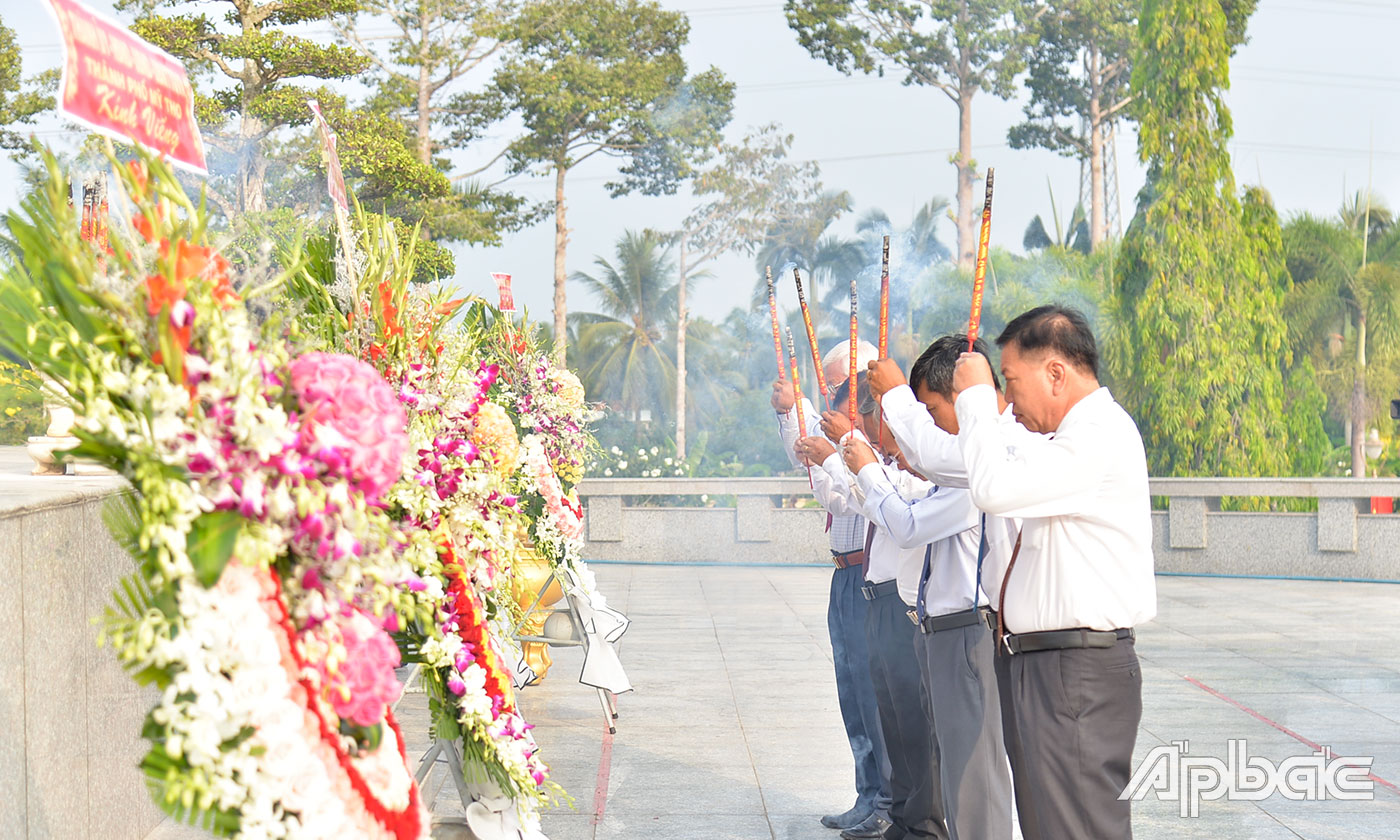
<point>366,678</point>
<point>343,394</point>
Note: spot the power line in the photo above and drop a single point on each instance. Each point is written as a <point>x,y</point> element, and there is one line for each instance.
<point>1295,148</point>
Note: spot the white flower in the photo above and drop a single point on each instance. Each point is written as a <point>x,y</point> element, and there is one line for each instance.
<point>607,472</point>
<point>622,465</point>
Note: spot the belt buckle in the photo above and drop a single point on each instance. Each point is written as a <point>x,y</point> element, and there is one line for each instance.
<point>914,617</point>
<point>1006,640</point>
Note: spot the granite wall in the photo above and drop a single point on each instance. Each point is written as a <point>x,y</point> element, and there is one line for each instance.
<point>70,719</point>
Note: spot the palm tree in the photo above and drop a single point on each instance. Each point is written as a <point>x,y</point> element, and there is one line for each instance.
<point>1346,292</point>
<point>1037,238</point>
<point>804,242</point>
<point>625,349</point>
<point>916,252</point>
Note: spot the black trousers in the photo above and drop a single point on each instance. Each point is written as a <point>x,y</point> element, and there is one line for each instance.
<point>916,808</point>
<point>1077,713</point>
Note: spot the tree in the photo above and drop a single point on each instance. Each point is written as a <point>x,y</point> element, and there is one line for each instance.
<point>21,100</point>
<point>1345,312</point>
<point>1077,238</point>
<point>958,47</point>
<point>751,187</point>
<point>261,60</point>
<point>606,77</point>
<point>1199,348</point>
<point>423,108</point>
<point>624,347</point>
<point>915,253</point>
<point>1078,80</point>
<point>803,241</point>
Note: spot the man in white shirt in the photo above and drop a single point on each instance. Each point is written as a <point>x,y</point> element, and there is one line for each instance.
<point>1081,576</point>
<point>891,581</point>
<point>846,609</point>
<point>954,643</point>
<point>925,425</point>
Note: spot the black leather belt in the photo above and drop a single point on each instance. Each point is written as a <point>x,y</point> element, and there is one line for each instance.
<point>951,621</point>
<point>871,591</point>
<point>1066,639</point>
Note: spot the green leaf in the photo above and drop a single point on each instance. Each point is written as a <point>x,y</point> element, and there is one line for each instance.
<point>210,544</point>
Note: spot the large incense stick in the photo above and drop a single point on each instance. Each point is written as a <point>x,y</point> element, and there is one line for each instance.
<point>777,336</point>
<point>885,299</point>
<point>884,348</point>
<point>797,395</point>
<point>811,338</point>
<point>979,276</point>
<point>851,374</point>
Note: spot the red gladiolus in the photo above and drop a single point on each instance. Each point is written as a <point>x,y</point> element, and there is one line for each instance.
<point>162,293</point>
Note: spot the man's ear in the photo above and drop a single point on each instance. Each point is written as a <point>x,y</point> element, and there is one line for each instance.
<point>1058,373</point>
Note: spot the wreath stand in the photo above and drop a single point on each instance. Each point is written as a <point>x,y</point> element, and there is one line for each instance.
<point>576,638</point>
<point>442,751</point>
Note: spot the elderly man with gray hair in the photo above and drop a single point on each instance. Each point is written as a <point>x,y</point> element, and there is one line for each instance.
<point>845,616</point>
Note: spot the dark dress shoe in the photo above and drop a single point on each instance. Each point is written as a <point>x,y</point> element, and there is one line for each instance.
<point>854,817</point>
<point>873,828</point>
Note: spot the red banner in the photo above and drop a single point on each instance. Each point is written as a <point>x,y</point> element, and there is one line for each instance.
<point>503,286</point>
<point>119,85</point>
<point>335,179</point>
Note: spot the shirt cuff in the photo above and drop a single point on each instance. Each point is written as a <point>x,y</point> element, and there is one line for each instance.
<point>870,477</point>
<point>859,434</point>
<point>976,403</point>
<point>833,464</point>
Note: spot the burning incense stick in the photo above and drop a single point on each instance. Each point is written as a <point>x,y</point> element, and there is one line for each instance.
<point>979,275</point>
<point>797,396</point>
<point>811,338</point>
<point>885,299</point>
<point>851,380</point>
<point>773,313</point>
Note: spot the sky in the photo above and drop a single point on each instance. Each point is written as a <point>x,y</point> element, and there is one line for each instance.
<point>1313,96</point>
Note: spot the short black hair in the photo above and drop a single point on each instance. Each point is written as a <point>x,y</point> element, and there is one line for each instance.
<point>934,367</point>
<point>1062,330</point>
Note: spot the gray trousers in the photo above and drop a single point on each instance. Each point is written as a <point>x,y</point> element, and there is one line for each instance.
<point>916,808</point>
<point>1077,712</point>
<point>1011,737</point>
<point>965,711</point>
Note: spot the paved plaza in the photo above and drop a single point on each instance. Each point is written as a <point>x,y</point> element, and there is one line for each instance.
<point>733,731</point>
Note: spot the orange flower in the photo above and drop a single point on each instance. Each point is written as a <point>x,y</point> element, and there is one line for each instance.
<point>391,313</point>
<point>191,260</point>
<point>146,225</point>
<point>162,293</point>
<point>141,176</point>
<point>223,287</point>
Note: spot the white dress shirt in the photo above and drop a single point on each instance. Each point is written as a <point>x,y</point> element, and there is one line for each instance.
<point>936,454</point>
<point>943,517</point>
<point>1086,548</point>
<point>887,560</point>
<point>847,531</point>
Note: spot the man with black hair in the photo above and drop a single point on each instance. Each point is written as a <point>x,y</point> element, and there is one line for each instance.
<point>846,609</point>
<point>925,426</point>
<point>1081,575</point>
